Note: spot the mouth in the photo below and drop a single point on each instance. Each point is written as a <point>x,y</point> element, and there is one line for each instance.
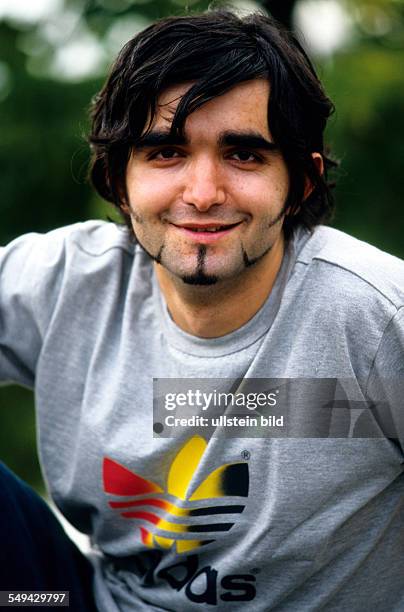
<point>207,232</point>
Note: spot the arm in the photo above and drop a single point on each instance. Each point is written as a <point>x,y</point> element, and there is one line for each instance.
<point>30,274</point>
<point>385,385</point>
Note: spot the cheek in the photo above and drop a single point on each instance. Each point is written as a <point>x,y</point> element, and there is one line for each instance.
<point>149,195</point>
<point>276,188</point>
<point>261,192</point>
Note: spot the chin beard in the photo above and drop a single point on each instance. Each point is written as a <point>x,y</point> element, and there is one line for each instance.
<point>199,279</point>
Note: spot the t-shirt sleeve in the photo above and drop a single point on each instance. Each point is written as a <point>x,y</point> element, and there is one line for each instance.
<point>385,388</point>
<point>31,272</point>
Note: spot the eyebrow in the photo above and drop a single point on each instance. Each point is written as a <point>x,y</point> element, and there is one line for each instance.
<point>159,138</point>
<point>249,140</point>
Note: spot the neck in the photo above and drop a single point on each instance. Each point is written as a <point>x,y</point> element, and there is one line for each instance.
<point>214,311</point>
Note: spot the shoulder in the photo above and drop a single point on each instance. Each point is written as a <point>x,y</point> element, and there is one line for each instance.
<point>37,264</point>
<point>348,292</point>
<point>51,249</point>
<point>98,238</point>
<point>346,266</point>
<point>94,238</point>
<point>69,265</point>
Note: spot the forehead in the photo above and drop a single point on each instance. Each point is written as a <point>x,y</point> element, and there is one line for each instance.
<point>245,106</point>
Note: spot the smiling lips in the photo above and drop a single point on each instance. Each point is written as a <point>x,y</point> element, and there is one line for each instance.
<point>206,232</point>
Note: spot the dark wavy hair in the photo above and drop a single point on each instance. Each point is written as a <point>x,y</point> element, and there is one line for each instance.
<point>215,51</point>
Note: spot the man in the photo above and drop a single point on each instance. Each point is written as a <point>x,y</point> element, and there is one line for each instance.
<point>208,136</point>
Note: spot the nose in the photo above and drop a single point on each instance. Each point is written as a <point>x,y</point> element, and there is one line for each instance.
<point>203,185</point>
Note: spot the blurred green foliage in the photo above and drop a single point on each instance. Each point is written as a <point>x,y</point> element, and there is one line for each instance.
<point>44,155</point>
<point>17,434</point>
<point>367,135</point>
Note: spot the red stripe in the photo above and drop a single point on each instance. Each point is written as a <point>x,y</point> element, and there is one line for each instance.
<point>145,535</point>
<point>145,516</point>
<point>158,503</point>
<point>118,480</point>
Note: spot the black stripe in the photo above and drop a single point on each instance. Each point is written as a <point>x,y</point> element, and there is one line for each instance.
<point>212,527</point>
<point>216,510</point>
<point>235,480</point>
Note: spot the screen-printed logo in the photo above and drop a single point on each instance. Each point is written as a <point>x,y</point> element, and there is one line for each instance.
<point>182,513</point>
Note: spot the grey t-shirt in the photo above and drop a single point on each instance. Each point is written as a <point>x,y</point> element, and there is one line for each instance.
<point>192,522</point>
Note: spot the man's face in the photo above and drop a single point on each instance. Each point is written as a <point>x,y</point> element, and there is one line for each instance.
<point>210,205</point>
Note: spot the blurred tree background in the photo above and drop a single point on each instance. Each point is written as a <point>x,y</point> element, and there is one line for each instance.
<point>53,56</point>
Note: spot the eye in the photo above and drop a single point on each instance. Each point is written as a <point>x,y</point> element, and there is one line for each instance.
<point>245,156</point>
<point>164,154</point>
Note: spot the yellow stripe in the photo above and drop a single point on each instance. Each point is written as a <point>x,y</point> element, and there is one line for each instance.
<point>211,486</point>
<point>173,527</point>
<point>163,542</point>
<point>185,545</point>
<point>184,466</point>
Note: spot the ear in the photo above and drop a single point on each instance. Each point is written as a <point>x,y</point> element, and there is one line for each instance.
<point>125,208</point>
<point>319,163</point>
